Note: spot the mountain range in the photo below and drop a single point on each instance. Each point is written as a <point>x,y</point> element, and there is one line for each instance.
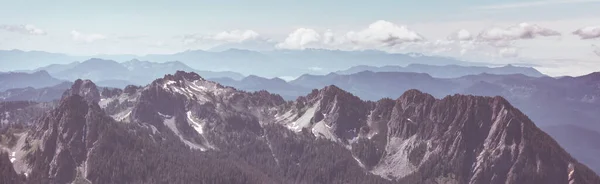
<point>447,71</point>
<point>37,79</point>
<point>550,102</point>
<point>182,128</point>
<point>289,63</point>
<point>114,74</point>
<point>45,94</point>
<point>542,98</point>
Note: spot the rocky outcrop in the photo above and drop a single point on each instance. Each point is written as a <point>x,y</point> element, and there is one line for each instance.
<point>85,88</point>
<point>65,136</point>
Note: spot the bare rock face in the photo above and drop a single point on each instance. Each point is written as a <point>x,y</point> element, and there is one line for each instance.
<point>65,136</point>
<point>340,110</point>
<point>469,139</point>
<point>85,88</point>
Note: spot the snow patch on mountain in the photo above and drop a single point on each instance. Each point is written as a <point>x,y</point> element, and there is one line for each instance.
<point>196,125</point>
<point>104,102</point>
<point>201,90</point>
<point>123,116</point>
<point>304,120</point>
<point>321,129</point>
<point>170,122</point>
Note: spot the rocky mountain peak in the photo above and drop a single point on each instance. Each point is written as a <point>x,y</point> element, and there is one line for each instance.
<point>85,88</point>
<point>182,75</point>
<point>415,96</point>
<point>65,136</point>
<point>478,137</point>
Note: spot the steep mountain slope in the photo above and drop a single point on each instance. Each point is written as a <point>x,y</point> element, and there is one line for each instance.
<point>447,71</point>
<point>38,79</point>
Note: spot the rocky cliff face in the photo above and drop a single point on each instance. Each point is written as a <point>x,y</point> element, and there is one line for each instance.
<point>63,138</point>
<point>469,139</point>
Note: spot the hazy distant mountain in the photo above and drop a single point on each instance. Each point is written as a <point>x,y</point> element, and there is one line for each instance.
<point>372,86</point>
<point>20,80</point>
<point>241,61</point>
<point>45,94</point>
<point>280,63</point>
<point>152,70</point>
<point>95,69</point>
<point>447,71</point>
<point>110,73</point>
<point>57,68</point>
<point>274,85</point>
<point>18,60</point>
<point>116,83</point>
<point>267,63</point>
<point>582,143</point>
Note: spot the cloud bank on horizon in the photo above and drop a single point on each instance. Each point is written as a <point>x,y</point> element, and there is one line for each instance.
<point>499,33</point>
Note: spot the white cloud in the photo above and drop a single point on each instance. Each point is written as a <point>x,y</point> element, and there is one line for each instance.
<point>378,35</point>
<point>328,37</point>
<point>86,38</point>
<point>533,4</point>
<point>521,31</point>
<point>383,33</point>
<point>27,29</point>
<point>590,32</point>
<point>300,39</point>
<point>236,36</point>
<point>596,49</point>
<point>461,35</point>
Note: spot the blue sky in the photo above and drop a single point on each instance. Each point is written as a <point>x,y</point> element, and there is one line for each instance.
<point>145,27</point>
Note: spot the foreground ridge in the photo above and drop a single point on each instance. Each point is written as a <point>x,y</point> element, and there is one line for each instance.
<point>188,129</point>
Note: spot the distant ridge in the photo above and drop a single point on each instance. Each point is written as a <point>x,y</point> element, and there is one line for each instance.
<point>447,71</point>
<point>246,62</point>
<point>37,79</point>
